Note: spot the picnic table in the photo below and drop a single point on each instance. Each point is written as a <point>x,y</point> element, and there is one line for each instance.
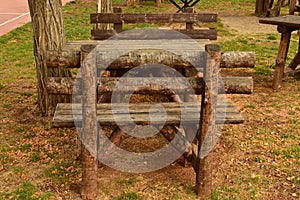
<point>285,25</point>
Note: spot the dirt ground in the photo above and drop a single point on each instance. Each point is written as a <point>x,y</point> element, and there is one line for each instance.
<point>246,24</point>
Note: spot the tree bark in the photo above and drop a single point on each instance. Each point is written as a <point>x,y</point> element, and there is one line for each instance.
<point>103,6</point>
<point>48,34</point>
<point>261,7</point>
<point>235,59</point>
<point>292,6</point>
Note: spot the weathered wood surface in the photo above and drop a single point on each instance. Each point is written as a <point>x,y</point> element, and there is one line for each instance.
<point>291,21</point>
<point>210,34</point>
<point>237,85</point>
<point>71,58</point>
<point>190,113</point>
<point>231,85</point>
<point>152,18</point>
<point>60,85</point>
<point>150,50</point>
<point>235,59</point>
<point>60,59</point>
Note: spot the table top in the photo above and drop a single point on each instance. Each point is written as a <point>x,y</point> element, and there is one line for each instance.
<point>288,20</point>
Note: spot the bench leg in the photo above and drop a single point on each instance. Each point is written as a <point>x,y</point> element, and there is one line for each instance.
<point>89,188</point>
<point>114,141</point>
<point>281,59</point>
<point>207,129</point>
<point>203,186</point>
<point>295,62</point>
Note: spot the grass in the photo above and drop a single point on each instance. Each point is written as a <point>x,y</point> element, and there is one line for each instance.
<point>27,191</point>
<point>256,160</point>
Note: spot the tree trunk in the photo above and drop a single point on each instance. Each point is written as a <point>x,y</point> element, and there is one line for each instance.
<point>158,3</point>
<point>48,34</point>
<point>292,6</point>
<point>103,6</point>
<point>261,7</point>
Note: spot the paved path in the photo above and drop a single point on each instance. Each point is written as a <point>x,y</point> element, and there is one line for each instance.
<point>14,13</point>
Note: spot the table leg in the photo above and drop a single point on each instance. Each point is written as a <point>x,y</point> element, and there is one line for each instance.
<point>281,59</point>
<point>295,62</point>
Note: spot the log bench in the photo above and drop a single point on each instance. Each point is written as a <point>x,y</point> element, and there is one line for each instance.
<point>192,116</point>
<point>119,19</point>
<point>66,114</point>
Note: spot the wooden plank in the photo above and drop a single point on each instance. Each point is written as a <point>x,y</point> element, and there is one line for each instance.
<point>152,17</point>
<point>64,115</point>
<point>232,85</point>
<point>148,85</point>
<point>210,34</point>
<point>60,59</point>
<point>69,57</point>
<point>292,21</point>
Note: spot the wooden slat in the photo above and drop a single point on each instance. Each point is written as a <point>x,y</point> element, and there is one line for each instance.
<point>210,34</point>
<point>176,113</point>
<point>69,57</point>
<point>152,18</point>
<point>232,85</point>
<point>65,85</point>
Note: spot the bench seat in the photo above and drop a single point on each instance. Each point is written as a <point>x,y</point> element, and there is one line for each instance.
<point>176,113</point>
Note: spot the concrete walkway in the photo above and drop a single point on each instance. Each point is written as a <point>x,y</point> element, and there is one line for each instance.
<point>14,13</point>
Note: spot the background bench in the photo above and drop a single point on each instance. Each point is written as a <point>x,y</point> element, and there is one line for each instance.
<point>118,19</point>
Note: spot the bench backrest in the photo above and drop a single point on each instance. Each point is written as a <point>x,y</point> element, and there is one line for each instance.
<point>118,19</point>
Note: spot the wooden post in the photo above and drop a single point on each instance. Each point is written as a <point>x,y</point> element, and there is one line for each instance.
<point>208,126</point>
<point>281,57</point>
<point>189,26</point>
<point>118,26</point>
<point>89,125</point>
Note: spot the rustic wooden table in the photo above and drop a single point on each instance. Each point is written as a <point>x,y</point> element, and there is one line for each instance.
<point>285,25</point>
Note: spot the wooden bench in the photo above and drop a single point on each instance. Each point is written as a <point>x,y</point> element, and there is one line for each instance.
<point>118,19</point>
<point>201,119</point>
<point>65,113</point>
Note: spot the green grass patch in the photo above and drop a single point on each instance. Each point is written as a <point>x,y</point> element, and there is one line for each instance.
<point>23,148</point>
<point>63,171</point>
<point>35,156</point>
<point>127,181</point>
<point>4,159</point>
<point>27,191</point>
<point>128,196</point>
